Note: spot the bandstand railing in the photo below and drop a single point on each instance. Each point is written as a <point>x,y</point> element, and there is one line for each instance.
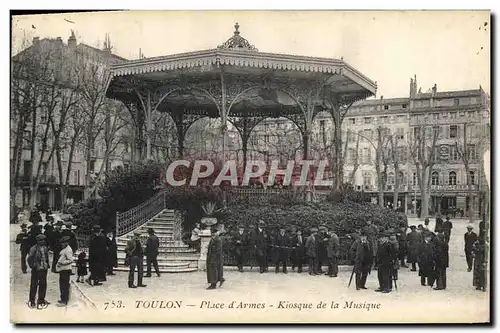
<point>137,216</point>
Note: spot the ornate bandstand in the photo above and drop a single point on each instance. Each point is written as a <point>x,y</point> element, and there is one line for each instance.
<point>238,84</point>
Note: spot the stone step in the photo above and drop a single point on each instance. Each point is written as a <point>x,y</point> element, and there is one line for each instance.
<point>159,224</point>
<point>162,270</point>
<point>169,256</point>
<point>165,250</point>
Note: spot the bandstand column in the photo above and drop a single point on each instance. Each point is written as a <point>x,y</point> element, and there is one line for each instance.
<point>306,139</point>
<point>149,126</point>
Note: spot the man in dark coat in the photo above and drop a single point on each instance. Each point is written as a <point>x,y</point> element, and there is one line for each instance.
<point>135,253</point>
<point>152,248</point>
<point>447,226</point>
<point>403,246</point>
<point>371,232</point>
<point>240,241</point>
<point>442,261</point>
<point>260,243</point>
<point>385,261</point>
<point>426,261</point>
<point>362,253</point>
<point>298,244</point>
<point>482,229</point>
<point>281,250</point>
<point>35,217</point>
<point>321,243</point>
<point>215,265</point>
<point>97,257</point>
<point>311,251</point>
<point>38,261</point>
<point>333,252</point>
<point>57,234</point>
<point>470,237</point>
<point>413,239</point>
<point>73,243</point>
<point>111,253</point>
<point>479,277</point>
<point>24,241</point>
<point>439,223</point>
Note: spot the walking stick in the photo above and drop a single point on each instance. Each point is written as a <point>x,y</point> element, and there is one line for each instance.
<point>393,277</point>
<point>350,280</point>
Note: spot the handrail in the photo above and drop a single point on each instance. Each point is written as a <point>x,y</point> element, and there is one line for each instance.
<point>137,216</point>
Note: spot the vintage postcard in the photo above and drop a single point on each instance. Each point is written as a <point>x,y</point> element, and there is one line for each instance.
<point>250,167</point>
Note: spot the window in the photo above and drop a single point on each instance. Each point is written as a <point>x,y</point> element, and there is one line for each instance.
<point>386,107</point>
<point>435,116</point>
<point>390,178</point>
<point>26,169</point>
<point>453,115</point>
<point>473,100</point>
<point>351,137</point>
<point>472,129</point>
<point>92,166</point>
<point>352,121</point>
<point>367,155</point>
<point>266,138</point>
<point>384,119</point>
<point>401,154</point>
<point>368,120</point>
<point>404,106</point>
<point>416,133</point>
<point>75,178</point>
<point>322,124</point>
<point>414,178</point>
<point>456,101</point>
<point>435,178</point>
<point>472,177</point>
<point>401,118</point>
<point>452,178</point>
<point>472,152</point>
<point>43,117</point>
<point>78,177</point>
<point>368,134</point>
<point>453,154</point>
<point>254,140</point>
<point>27,139</point>
<point>453,131</point>
<point>461,114</point>
<point>400,133</point>
<point>367,178</point>
<point>350,155</point>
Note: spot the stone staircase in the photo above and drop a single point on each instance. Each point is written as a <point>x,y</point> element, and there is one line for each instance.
<point>173,257</point>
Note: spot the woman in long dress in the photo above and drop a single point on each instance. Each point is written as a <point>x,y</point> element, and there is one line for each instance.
<point>215,266</point>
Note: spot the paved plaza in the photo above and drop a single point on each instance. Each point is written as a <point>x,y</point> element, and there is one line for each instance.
<point>183,298</point>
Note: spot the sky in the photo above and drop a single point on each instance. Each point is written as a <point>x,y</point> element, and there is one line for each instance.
<point>447,48</point>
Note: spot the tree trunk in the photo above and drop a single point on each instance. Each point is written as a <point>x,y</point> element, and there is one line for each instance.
<point>395,199</point>
<point>470,194</point>
<point>424,200</point>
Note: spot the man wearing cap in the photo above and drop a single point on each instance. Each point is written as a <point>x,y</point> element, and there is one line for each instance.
<point>23,239</point>
<point>38,261</point>
<point>56,245</point>
<point>97,257</point>
<point>385,261</point>
<point>111,253</point>
<point>71,235</point>
<point>311,251</point>
<point>333,252</point>
<point>64,269</point>
<point>215,267</point>
<point>298,243</point>
<point>426,261</point>
<point>260,242</point>
<point>240,241</point>
<point>152,246</point>
<point>442,261</point>
<point>414,239</point>
<point>447,226</point>
<point>281,249</point>
<point>362,253</point>
<point>470,237</point>
<point>135,252</point>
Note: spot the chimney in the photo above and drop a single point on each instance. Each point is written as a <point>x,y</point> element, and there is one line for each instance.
<point>107,44</point>
<point>72,40</point>
<point>36,40</point>
<point>434,90</point>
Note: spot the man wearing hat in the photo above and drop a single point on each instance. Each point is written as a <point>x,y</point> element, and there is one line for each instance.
<point>403,246</point>
<point>152,246</point>
<point>470,237</point>
<point>385,261</point>
<point>240,241</point>
<point>426,261</point>
<point>49,233</point>
<point>215,267</point>
<point>447,226</point>
<point>413,239</point>
<point>442,261</point>
<point>371,231</point>
<point>362,252</point>
<point>321,243</point>
<point>333,252</point>
<point>23,239</point>
<point>298,243</point>
<point>311,251</point>
<point>111,253</point>
<point>260,241</point>
<point>97,257</point>
<point>281,249</point>
<point>135,252</point>
<point>38,261</point>
<point>57,234</point>
<point>71,235</point>
<point>439,223</point>
<point>63,267</point>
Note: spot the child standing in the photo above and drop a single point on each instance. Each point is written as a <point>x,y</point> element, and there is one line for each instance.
<point>81,266</point>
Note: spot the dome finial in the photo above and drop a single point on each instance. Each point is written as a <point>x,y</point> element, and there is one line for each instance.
<point>236,27</point>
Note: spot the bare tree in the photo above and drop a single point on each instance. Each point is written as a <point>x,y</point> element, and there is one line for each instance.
<point>422,147</point>
<point>393,155</point>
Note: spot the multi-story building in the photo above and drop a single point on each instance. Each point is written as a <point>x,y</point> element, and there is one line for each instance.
<point>61,58</point>
<point>460,118</point>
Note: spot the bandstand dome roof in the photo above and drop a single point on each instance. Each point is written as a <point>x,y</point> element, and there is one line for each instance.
<point>236,60</point>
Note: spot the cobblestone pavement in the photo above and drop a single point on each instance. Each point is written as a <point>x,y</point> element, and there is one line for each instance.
<point>183,298</point>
